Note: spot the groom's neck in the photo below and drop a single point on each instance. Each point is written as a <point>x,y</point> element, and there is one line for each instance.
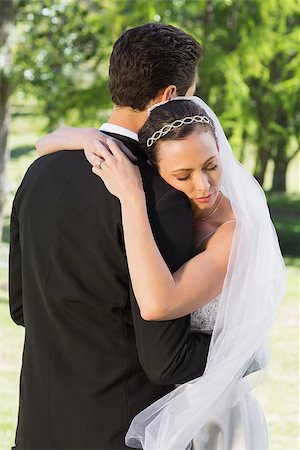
<point>128,118</point>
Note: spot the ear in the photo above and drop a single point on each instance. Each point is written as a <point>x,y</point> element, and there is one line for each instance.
<point>168,93</point>
<point>164,95</point>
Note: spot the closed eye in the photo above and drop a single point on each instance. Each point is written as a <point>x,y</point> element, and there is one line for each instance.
<point>212,168</point>
<point>184,179</point>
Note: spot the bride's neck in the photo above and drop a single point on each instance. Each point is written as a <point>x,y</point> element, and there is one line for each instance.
<point>128,118</point>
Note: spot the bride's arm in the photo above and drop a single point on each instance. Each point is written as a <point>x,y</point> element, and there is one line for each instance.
<point>69,138</point>
<point>160,294</point>
<point>66,138</point>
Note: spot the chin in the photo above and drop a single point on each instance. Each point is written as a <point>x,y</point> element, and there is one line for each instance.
<point>201,205</point>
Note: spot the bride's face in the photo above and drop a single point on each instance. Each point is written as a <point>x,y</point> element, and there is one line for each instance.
<point>192,165</point>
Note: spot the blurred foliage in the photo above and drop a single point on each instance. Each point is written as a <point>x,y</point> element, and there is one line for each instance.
<point>61,56</point>
<point>285,213</point>
<point>250,74</point>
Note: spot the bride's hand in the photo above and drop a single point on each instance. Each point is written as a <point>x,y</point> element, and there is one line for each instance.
<point>121,177</point>
<point>93,153</point>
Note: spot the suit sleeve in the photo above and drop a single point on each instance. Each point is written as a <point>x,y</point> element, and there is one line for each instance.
<point>168,352</point>
<point>15,271</point>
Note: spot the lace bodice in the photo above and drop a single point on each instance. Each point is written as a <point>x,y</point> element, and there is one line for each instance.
<point>205,317</point>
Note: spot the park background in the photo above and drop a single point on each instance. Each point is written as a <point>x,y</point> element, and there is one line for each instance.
<point>54,69</point>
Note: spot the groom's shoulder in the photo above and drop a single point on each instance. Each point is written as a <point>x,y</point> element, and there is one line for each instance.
<point>157,190</point>
<point>58,159</point>
<point>53,171</point>
<point>59,163</point>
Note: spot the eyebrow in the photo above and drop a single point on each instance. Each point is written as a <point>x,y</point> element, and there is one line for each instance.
<point>206,162</point>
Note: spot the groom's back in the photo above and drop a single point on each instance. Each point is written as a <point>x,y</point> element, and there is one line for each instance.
<point>90,362</point>
<point>81,376</point>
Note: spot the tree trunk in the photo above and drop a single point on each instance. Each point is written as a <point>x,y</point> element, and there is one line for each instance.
<point>279,175</point>
<point>6,21</point>
<point>4,90</point>
<point>262,158</point>
<point>281,155</point>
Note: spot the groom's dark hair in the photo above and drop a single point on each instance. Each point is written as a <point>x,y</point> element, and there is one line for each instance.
<point>149,58</point>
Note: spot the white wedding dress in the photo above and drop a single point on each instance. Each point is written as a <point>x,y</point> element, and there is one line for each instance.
<point>225,431</point>
<point>212,436</point>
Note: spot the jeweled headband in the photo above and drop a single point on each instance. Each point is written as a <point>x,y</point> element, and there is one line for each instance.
<point>177,124</point>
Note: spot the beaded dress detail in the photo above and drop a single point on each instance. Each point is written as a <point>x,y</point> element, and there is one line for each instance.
<point>204,318</point>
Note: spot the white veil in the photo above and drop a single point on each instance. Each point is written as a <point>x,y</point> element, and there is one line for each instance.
<point>238,354</point>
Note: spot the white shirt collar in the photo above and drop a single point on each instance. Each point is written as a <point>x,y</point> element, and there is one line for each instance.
<point>116,129</point>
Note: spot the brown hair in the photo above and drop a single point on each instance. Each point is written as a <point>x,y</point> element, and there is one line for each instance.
<point>149,58</point>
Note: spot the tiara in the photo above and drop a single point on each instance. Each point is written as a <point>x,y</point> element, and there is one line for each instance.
<point>176,124</point>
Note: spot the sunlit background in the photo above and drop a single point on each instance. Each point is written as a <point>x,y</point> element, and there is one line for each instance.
<point>54,71</point>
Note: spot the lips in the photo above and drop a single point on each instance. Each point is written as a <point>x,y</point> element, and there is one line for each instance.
<point>203,199</point>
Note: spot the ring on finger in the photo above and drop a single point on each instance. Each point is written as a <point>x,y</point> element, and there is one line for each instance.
<point>100,164</point>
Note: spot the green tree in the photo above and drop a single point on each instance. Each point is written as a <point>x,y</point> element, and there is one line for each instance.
<point>61,56</point>
<point>63,51</point>
<point>249,75</point>
<point>274,87</point>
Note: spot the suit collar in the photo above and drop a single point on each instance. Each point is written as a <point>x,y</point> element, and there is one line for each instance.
<point>117,129</point>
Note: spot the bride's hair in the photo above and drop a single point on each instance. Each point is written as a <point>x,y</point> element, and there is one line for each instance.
<point>166,114</point>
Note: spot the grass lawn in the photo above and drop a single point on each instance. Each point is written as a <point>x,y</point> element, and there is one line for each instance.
<point>279,394</point>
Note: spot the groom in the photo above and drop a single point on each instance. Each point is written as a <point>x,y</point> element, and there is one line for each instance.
<point>90,362</point>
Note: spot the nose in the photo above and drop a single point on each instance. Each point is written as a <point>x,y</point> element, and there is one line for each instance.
<point>202,183</point>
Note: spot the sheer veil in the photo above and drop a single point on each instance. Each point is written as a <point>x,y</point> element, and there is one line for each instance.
<point>238,354</point>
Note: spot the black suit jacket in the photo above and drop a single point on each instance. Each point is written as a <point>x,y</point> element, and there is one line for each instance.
<point>90,362</point>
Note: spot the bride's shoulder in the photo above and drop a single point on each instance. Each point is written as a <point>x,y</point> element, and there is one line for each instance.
<point>227,211</point>
<point>219,245</point>
<point>225,229</point>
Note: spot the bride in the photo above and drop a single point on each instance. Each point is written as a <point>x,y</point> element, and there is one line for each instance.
<point>231,286</point>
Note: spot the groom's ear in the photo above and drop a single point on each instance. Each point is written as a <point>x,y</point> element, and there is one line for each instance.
<point>168,93</point>
<point>164,95</point>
